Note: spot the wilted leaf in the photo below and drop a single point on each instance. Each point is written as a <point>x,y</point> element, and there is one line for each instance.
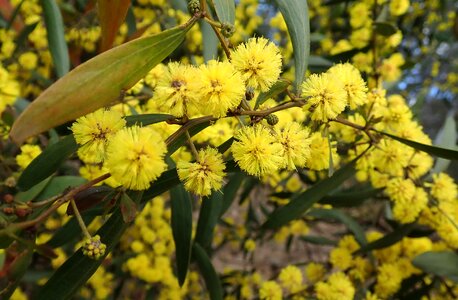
<point>111,15</point>
<point>96,83</point>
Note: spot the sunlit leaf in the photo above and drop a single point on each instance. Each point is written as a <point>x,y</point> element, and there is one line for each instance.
<point>56,37</point>
<point>96,83</point>
<point>296,15</point>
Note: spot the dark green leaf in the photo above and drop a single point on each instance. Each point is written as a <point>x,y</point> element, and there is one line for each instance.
<point>226,145</point>
<point>225,10</point>
<point>59,184</point>
<point>318,240</point>
<point>441,263</point>
<point>385,28</point>
<point>436,151</point>
<point>335,214</point>
<point>147,119</point>
<point>165,182</point>
<point>182,229</point>
<point>69,278</point>
<point>230,190</point>
<point>302,202</point>
<point>45,164</point>
<point>210,210</point>
<point>23,36</point>
<point>389,239</point>
<point>33,192</point>
<point>56,37</point>
<point>181,139</point>
<point>131,22</point>
<point>277,88</point>
<point>296,15</point>
<point>212,281</point>
<point>350,199</point>
<point>209,41</point>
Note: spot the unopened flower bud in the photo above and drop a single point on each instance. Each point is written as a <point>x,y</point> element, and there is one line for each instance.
<point>271,119</point>
<point>249,94</point>
<point>93,247</point>
<point>193,7</point>
<point>227,30</point>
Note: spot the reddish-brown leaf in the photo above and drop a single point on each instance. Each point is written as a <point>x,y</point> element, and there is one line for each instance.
<point>111,15</point>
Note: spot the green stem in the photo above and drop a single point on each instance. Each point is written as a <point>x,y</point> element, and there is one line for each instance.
<point>80,219</point>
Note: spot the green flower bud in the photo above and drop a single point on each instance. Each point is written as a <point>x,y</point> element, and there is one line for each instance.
<point>271,119</point>
<point>94,248</point>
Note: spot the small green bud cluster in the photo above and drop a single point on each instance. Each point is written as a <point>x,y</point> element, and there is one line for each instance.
<point>271,119</point>
<point>94,248</point>
<point>227,30</point>
<point>193,7</point>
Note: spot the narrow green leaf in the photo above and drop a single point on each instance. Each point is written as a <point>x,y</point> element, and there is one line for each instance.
<point>318,240</point>
<point>165,182</point>
<point>147,119</point>
<point>385,28</point>
<point>335,214</point>
<point>33,192</point>
<point>296,15</point>
<point>225,10</point>
<point>302,202</point>
<point>433,150</point>
<point>69,278</point>
<point>230,191</point>
<point>441,263</point>
<point>350,199</point>
<point>209,41</point>
<point>56,37</point>
<point>58,185</point>
<point>226,145</point>
<point>212,281</point>
<point>210,210</point>
<point>277,88</point>
<point>182,229</point>
<point>17,270</point>
<point>446,138</point>
<point>96,83</point>
<point>45,164</point>
<point>22,37</point>
<point>389,239</point>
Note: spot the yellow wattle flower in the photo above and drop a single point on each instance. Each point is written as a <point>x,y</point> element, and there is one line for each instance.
<point>28,153</point>
<point>93,131</point>
<point>353,83</point>
<point>220,88</point>
<point>296,144</point>
<point>259,62</point>
<point>325,96</point>
<point>205,175</point>
<point>135,157</point>
<point>257,151</point>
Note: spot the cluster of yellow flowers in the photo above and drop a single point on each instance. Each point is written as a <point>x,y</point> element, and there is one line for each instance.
<point>334,117</point>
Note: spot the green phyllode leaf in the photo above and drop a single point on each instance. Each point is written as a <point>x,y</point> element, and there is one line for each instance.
<point>45,164</point>
<point>225,10</point>
<point>96,83</point>
<point>212,281</point>
<point>56,37</point>
<point>441,263</point>
<point>182,229</point>
<point>296,15</point>
<point>303,201</point>
<point>277,88</point>
<point>69,278</point>
<point>208,217</point>
<point>433,150</point>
